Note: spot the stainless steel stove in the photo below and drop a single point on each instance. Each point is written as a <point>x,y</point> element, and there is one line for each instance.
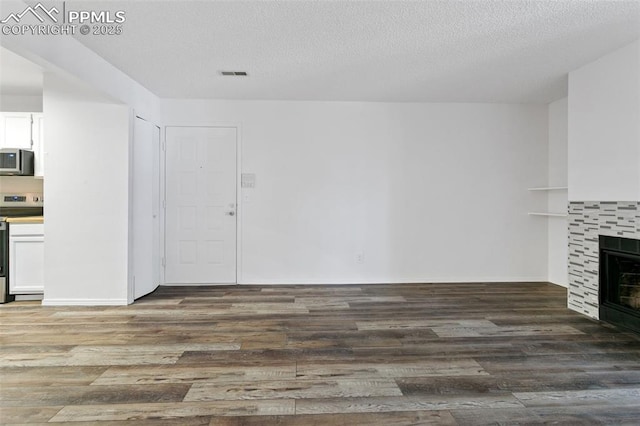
<point>11,206</point>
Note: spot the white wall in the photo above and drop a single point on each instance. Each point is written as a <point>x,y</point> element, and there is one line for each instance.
<point>557,200</point>
<point>604,128</point>
<point>20,103</point>
<point>86,190</point>
<point>427,192</point>
<point>20,184</point>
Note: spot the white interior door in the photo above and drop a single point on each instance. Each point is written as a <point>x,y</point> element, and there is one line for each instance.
<point>201,205</point>
<point>155,208</point>
<point>146,207</point>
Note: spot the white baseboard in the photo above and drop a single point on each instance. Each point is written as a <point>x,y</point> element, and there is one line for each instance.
<point>84,302</point>
<point>195,284</point>
<point>447,280</point>
<point>28,297</point>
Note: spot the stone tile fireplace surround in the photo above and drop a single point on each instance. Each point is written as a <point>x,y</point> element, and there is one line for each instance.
<point>588,220</point>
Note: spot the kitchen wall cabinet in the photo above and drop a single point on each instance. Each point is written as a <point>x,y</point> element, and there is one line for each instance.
<point>26,258</point>
<point>24,130</point>
<point>15,130</point>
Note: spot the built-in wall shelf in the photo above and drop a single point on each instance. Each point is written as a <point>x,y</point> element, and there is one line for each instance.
<point>548,214</point>
<point>548,188</point>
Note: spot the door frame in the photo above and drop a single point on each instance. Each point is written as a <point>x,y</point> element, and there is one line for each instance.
<point>239,206</point>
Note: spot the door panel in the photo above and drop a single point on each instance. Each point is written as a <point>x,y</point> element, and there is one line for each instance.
<point>201,205</point>
<point>146,207</point>
<point>156,254</point>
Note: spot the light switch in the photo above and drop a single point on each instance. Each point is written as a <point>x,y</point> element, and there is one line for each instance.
<point>248,180</point>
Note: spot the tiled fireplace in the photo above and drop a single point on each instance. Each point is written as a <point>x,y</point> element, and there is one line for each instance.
<point>587,222</point>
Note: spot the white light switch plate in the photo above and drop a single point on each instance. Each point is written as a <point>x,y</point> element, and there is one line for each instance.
<point>248,180</point>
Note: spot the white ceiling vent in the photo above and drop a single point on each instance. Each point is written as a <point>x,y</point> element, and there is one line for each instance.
<point>234,73</point>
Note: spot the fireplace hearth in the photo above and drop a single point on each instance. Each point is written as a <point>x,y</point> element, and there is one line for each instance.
<point>620,281</point>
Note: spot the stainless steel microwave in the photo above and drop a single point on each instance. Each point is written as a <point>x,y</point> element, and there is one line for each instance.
<point>16,162</point>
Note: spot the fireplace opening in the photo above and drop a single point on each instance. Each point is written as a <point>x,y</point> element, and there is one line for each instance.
<point>620,282</point>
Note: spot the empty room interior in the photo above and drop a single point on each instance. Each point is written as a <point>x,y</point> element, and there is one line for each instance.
<point>320,212</point>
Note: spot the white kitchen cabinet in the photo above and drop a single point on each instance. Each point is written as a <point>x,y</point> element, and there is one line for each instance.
<point>37,135</point>
<point>24,130</point>
<point>26,258</point>
<point>15,130</point>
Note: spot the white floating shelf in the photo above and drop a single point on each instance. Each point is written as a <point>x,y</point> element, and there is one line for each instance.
<point>547,214</point>
<point>548,188</point>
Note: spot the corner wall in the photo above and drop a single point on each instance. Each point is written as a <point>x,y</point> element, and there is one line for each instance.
<point>557,199</point>
<point>604,166</point>
<point>425,192</point>
<point>86,190</point>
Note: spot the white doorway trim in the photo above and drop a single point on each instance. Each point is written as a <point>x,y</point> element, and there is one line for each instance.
<point>239,205</point>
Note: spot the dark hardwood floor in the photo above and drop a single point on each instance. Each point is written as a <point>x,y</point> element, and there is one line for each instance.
<point>406,354</point>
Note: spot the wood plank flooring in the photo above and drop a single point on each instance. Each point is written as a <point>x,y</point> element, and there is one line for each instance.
<point>407,354</point>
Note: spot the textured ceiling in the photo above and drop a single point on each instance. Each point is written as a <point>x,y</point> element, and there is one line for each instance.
<point>453,51</point>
